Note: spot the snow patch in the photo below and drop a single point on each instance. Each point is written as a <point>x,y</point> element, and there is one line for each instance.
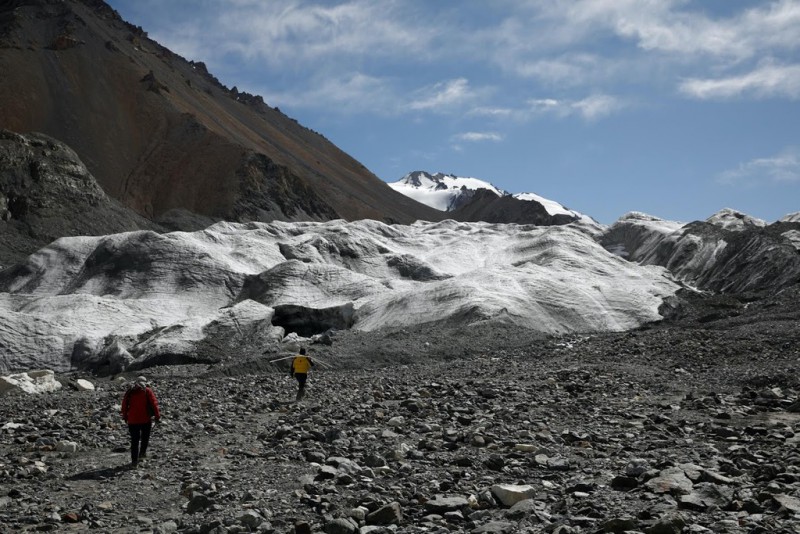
<point>735,221</point>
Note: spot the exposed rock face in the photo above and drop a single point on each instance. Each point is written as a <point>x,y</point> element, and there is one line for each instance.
<point>486,206</point>
<point>46,192</point>
<point>730,256</point>
<point>160,133</point>
<point>141,298</point>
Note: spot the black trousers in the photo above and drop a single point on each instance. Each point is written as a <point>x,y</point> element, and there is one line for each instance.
<point>140,437</point>
<point>301,384</point>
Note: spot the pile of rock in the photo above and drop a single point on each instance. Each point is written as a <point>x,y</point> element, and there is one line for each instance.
<point>551,443</point>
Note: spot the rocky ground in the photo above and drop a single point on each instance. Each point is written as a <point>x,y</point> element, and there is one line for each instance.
<point>691,426</point>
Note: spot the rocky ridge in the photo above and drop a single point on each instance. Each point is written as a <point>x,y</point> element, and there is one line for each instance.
<point>730,252</point>
<point>162,135</point>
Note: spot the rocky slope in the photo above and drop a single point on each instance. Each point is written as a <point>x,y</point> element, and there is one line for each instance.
<point>728,253</point>
<point>161,134</point>
<point>46,192</point>
<point>688,426</point>
<point>483,205</point>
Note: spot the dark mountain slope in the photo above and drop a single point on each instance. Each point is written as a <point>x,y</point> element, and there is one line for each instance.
<point>160,133</point>
<point>46,193</point>
<point>710,257</point>
<point>484,205</point>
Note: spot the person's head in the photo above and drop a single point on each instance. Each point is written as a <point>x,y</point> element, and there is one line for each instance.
<point>140,382</point>
<point>303,351</point>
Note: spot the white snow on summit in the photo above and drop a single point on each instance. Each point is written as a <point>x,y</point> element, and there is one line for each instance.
<point>791,217</point>
<point>443,192</point>
<point>439,191</point>
<point>735,221</point>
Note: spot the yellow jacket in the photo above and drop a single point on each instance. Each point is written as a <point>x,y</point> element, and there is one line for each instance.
<point>301,364</point>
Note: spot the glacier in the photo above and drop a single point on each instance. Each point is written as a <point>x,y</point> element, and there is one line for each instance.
<point>140,298</point>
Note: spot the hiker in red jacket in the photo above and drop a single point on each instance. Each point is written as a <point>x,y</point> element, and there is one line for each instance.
<point>139,410</point>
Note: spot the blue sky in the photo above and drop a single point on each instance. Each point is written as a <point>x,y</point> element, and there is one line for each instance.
<point>676,108</point>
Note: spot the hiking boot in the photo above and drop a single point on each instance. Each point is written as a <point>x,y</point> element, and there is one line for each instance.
<point>134,464</point>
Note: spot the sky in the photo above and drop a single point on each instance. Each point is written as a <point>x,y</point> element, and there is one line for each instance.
<point>675,108</point>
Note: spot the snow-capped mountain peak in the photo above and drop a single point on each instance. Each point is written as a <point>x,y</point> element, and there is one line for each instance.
<point>447,192</point>
<point>444,192</point>
<point>734,220</point>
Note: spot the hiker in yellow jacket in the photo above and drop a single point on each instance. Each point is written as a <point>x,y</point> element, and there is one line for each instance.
<point>301,364</point>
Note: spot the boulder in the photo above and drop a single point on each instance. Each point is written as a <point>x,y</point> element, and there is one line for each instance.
<point>672,480</point>
<point>84,385</point>
<point>511,494</point>
<point>32,382</point>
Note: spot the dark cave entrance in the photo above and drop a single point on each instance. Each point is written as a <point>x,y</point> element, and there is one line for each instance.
<point>307,322</point>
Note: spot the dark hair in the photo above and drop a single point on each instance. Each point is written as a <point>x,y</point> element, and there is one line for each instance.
<point>302,350</point>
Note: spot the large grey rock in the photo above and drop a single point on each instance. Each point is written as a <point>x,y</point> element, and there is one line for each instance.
<point>672,480</point>
<point>32,382</point>
<point>390,514</point>
<point>705,495</point>
<point>511,494</point>
<point>441,504</point>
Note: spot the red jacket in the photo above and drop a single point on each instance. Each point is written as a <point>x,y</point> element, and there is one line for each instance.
<point>139,405</point>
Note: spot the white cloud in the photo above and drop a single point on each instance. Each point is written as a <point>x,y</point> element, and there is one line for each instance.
<point>559,45</point>
<point>285,32</point>
<point>547,105</point>
<point>571,69</point>
<point>497,112</point>
<point>477,137</point>
<point>443,96</point>
<point>353,93</point>
<point>575,43</point>
<point>591,108</point>
<point>782,168</point>
<point>763,82</point>
<point>676,26</point>
<point>597,106</point>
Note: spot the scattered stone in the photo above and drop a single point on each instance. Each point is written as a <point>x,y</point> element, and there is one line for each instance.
<point>642,455</point>
<point>511,494</point>
<point>673,481</point>
<point>340,526</point>
<point>792,504</point>
<point>84,385</point>
<point>495,527</point>
<point>441,505</point>
<point>199,503</point>
<point>705,495</point>
<point>389,514</point>
<point>66,446</point>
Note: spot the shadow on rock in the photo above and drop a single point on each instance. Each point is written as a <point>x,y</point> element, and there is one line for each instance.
<point>100,474</point>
